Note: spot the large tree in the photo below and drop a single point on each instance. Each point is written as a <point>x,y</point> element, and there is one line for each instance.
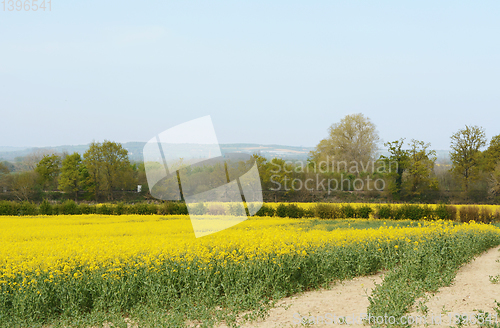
<point>117,169</point>
<point>465,153</point>
<point>109,168</point>
<point>491,156</point>
<point>420,167</point>
<point>395,165</point>
<point>48,169</point>
<point>353,140</point>
<point>73,177</point>
<point>93,161</point>
<point>411,169</point>
<point>24,184</point>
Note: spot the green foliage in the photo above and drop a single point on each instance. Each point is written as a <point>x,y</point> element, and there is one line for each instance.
<point>8,208</point>
<point>395,165</point>
<point>328,211</point>
<point>348,211</point>
<point>119,209</point>
<point>424,269</point>
<point>172,293</point>
<point>74,175</point>
<point>420,168</point>
<point>265,210</point>
<point>410,171</point>
<point>27,208</point>
<point>466,147</point>
<point>172,208</point>
<point>445,212</point>
<point>414,212</point>
<point>3,169</point>
<point>364,211</point>
<point>491,156</point>
<point>384,212</point>
<point>45,208</point>
<point>69,207</point>
<point>48,170</point>
<point>24,185</point>
<point>87,209</point>
<point>281,211</point>
<point>108,168</point>
<point>352,140</point>
<point>286,210</point>
<point>105,210</point>
<point>294,211</point>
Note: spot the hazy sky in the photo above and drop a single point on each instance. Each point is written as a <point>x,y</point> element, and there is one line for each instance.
<point>270,72</point>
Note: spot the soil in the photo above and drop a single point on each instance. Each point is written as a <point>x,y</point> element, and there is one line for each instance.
<point>470,291</point>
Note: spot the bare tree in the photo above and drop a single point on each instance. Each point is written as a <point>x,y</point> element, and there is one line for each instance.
<point>354,141</point>
<point>494,181</point>
<point>31,160</point>
<point>23,184</point>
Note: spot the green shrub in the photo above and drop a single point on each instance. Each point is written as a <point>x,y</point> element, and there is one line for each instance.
<point>328,211</point>
<point>309,213</point>
<point>56,209</point>
<point>265,210</point>
<point>152,209</point>
<point>86,209</point>
<point>384,212</point>
<point>173,208</point>
<point>294,211</point>
<point>8,208</point>
<point>348,211</point>
<point>364,211</point>
<point>119,209</point>
<point>27,208</point>
<point>69,207</point>
<point>165,208</point>
<point>281,211</point>
<point>45,208</point>
<point>104,209</point>
<point>441,212</point>
<point>411,212</point>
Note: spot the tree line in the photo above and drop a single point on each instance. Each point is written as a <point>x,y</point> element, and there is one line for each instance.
<point>103,169</point>
<point>408,171</point>
<point>345,166</point>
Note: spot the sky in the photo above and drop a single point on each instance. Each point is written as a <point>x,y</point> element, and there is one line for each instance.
<point>268,72</point>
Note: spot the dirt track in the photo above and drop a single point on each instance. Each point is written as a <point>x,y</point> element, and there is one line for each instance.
<point>471,290</point>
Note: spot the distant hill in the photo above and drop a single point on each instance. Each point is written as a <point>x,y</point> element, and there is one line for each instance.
<point>135,151</point>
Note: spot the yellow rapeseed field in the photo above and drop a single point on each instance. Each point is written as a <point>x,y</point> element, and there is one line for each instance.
<point>63,244</point>
<point>74,264</point>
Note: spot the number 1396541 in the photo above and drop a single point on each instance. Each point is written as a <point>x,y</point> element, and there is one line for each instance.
<point>26,5</point>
